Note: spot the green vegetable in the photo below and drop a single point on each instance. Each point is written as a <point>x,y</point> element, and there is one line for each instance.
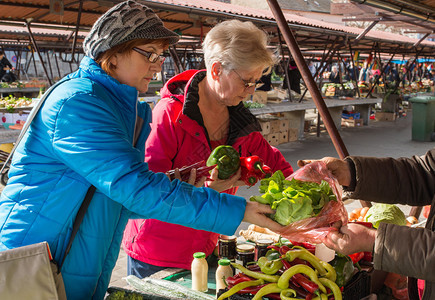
<point>293,200</point>
<point>269,266</point>
<point>173,286</point>
<point>227,160</point>
<point>240,286</point>
<point>150,288</point>
<point>344,268</point>
<point>266,290</point>
<point>387,213</point>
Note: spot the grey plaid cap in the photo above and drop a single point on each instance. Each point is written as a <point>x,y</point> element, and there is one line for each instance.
<point>124,22</point>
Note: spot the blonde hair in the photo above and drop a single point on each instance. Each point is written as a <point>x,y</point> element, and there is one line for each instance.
<point>238,45</point>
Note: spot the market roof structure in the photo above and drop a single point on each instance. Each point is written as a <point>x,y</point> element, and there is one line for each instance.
<point>192,19</point>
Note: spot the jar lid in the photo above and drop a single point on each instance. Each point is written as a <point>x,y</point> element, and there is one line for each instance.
<point>227,238</point>
<point>245,248</point>
<point>224,262</point>
<point>199,255</point>
<point>264,242</point>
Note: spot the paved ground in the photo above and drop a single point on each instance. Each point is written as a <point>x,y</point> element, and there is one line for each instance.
<point>379,139</point>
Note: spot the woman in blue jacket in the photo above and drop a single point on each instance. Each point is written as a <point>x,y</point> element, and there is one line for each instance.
<point>91,130</point>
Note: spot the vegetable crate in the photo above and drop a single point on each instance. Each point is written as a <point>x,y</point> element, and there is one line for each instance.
<point>358,287</point>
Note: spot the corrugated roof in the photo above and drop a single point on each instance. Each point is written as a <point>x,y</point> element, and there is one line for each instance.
<point>291,18</point>
<point>323,6</point>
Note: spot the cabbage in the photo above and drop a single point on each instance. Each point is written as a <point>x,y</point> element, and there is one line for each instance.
<point>387,213</point>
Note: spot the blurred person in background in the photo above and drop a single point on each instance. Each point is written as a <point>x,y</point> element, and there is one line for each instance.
<point>200,110</point>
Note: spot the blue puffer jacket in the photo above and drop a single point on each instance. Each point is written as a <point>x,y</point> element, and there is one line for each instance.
<point>83,135</point>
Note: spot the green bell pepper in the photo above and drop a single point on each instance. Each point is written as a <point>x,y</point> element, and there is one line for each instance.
<point>269,267</point>
<point>344,269</point>
<point>227,160</point>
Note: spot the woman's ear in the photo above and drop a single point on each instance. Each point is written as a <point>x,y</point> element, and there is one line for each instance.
<point>114,59</point>
<point>216,69</point>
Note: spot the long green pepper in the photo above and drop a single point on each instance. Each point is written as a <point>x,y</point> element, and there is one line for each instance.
<point>240,286</point>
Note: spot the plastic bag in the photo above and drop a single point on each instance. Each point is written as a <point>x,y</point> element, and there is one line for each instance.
<point>314,229</point>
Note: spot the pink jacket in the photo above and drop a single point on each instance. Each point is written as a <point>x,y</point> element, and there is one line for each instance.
<point>178,138</point>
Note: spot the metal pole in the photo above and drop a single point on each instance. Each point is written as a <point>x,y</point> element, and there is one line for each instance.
<point>306,75</point>
<point>39,54</point>
<point>354,70</point>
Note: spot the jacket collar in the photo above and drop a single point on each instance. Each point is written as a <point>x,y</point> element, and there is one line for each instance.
<point>92,70</point>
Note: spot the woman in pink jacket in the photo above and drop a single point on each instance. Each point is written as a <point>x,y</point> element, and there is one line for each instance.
<point>198,111</point>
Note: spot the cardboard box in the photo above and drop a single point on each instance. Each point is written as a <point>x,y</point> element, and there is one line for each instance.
<point>260,97</point>
<point>352,122</point>
<point>277,94</point>
<point>293,134</point>
<point>265,127</point>
<point>275,126</point>
<point>385,116</point>
<point>273,139</point>
<point>283,137</point>
<point>284,125</point>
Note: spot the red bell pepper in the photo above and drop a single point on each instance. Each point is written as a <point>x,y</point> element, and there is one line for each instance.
<point>267,171</point>
<point>249,177</point>
<point>252,163</point>
<point>356,257</point>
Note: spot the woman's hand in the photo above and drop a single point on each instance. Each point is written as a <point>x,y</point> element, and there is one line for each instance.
<point>255,213</point>
<point>338,167</point>
<point>351,238</point>
<point>192,177</point>
<point>224,184</point>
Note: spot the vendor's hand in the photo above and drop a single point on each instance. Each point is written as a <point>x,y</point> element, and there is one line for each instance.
<point>338,167</point>
<point>223,184</point>
<point>255,213</point>
<point>351,238</point>
<point>192,177</point>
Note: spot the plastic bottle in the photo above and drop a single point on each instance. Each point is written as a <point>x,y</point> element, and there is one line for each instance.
<point>199,270</point>
<point>223,271</point>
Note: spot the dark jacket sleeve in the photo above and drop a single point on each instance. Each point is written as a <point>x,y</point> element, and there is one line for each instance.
<point>409,181</point>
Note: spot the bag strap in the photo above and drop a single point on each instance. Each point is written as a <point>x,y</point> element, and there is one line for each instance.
<point>79,218</point>
<point>89,193</point>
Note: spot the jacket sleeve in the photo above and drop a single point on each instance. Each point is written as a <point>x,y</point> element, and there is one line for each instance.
<point>409,181</point>
<point>412,247</point>
<point>91,138</point>
<point>255,144</point>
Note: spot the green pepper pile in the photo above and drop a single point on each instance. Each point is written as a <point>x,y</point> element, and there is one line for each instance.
<point>290,272</point>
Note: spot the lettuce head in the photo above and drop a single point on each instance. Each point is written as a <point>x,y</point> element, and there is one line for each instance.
<point>387,213</point>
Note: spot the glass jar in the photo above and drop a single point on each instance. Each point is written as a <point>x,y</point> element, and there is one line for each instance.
<point>199,270</point>
<point>261,248</point>
<point>227,247</point>
<point>223,271</point>
<point>245,254</point>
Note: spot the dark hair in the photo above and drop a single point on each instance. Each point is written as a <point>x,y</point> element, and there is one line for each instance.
<point>1,52</point>
<point>103,58</point>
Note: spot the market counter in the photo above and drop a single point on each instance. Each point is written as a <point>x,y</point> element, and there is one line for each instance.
<point>295,111</point>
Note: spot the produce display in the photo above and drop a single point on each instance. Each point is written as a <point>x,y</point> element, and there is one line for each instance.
<point>289,271</point>
<point>11,102</point>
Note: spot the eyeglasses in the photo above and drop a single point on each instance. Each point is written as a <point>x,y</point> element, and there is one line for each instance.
<point>249,84</point>
<point>152,56</point>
